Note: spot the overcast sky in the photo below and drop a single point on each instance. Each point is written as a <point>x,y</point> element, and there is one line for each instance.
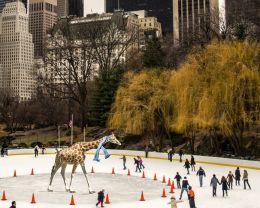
<point>94,6</point>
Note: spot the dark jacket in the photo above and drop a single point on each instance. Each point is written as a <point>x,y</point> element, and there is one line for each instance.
<point>237,174</point>
<point>136,161</point>
<point>187,164</point>
<point>192,161</point>
<point>177,177</point>
<point>224,184</point>
<point>201,172</point>
<point>101,196</point>
<point>13,206</point>
<point>185,183</point>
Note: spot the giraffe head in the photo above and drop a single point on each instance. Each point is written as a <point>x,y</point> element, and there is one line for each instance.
<point>112,138</point>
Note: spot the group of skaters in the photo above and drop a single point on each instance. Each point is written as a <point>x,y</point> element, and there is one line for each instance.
<point>37,149</point>
<point>138,162</point>
<point>226,182</point>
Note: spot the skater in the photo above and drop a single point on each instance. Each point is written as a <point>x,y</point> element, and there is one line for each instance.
<point>181,154</point>
<point>245,179</point>
<point>192,163</point>
<point>191,197</point>
<point>185,185</point>
<point>140,162</point>
<point>101,196</point>
<point>36,151</point>
<point>201,173</point>
<point>174,202</point>
<point>214,183</point>
<point>169,152</point>
<point>230,177</point>
<point>224,185</point>
<point>43,149</point>
<point>178,180</point>
<point>170,155</point>
<point>13,205</point>
<point>237,176</point>
<point>146,151</point>
<point>187,166</point>
<point>2,152</point>
<point>137,163</point>
<point>124,161</point>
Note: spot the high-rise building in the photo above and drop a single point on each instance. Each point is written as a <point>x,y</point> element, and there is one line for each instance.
<point>16,52</point>
<point>62,8</point>
<point>161,9</point>
<point>189,17</point>
<point>70,7</point>
<point>2,4</point>
<point>43,15</point>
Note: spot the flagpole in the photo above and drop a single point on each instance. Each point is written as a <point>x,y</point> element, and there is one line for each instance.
<point>59,136</point>
<point>84,134</point>
<point>71,136</point>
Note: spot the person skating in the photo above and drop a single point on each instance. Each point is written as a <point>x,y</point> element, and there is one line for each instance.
<point>124,161</point>
<point>224,184</point>
<point>230,177</point>
<point>237,176</point>
<point>169,153</point>
<point>101,196</point>
<point>174,202</point>
<point>180,154</point>
<point>201,174</point>
<point>185,185</point>
<point>43,149</point>
<point>36,150</point>
<point>13,205</point>
<point>137,163</point>
<point>191,197</point>
<point>187,166</point>
<point>214,183</point>
<point>2,152</point>
<point>192,163</point>
<point>141,165</point>
<point>146,151</point>
<point>245,179</point>
<point>178,180</point>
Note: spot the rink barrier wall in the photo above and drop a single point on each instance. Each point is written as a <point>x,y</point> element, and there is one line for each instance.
<point>247,164</point>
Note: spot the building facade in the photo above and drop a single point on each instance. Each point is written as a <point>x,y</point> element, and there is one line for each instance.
<point>190,16</point>
<point>3,2</point>
<point>70,7</point>
<point>43,16</point>
<point>62,8</point>
<point>162,10</point>
<point>16,52</point>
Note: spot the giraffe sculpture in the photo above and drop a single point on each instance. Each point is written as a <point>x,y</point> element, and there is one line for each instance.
<point>75,155</point>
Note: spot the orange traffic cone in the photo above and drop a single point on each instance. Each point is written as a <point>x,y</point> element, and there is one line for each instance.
<point>173,184</point>
<point>128,172</point>
<point>92,170</point>
<point>32,172</point>
<point>172,188</point>
<point>113,171</point>
<point>72,200</point>
<point>169,182</point>
<point>142,196</point>
<point>143,176</point>
<point>14,173</point>
<point>33,199</point>
<point>164,179</point>
<point>163,193</point>
<point>155,178</point>
<point>107,200</point>
<point>3,196</point>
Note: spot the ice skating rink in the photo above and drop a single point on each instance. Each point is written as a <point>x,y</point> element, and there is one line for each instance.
<point>124,191</point>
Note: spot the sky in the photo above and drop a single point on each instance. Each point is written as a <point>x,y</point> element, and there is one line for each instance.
<point>94,6</point>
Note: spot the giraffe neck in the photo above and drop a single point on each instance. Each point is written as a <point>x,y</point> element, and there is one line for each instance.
<point>90,145</point>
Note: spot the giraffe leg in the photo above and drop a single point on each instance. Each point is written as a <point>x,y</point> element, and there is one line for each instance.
<point>63,168</point>
<point>55,168</point>
<point>72,174</point>
<point>86,176</point>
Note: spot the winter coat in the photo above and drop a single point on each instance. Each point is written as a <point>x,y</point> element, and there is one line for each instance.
<point>230,177</point>
<point>245,176</point>
<point>224,184</point>
<point>136,161</point>
<point>201,172</point>
<point>173,203</point>
<point>237,174</point>
<point>187,164</point>
<point>192,161</point>
<point>185,183</point>
<point>101,196</point>
<point>214,182</point>
<point>177,177</point>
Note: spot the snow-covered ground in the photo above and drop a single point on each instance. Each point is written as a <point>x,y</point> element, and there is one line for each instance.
<point>123,191</point>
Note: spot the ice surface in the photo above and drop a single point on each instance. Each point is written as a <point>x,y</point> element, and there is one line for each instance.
<point>124,192</point>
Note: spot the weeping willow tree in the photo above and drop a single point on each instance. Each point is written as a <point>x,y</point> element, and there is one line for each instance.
<point>141,106</point>
<point>217,90</point>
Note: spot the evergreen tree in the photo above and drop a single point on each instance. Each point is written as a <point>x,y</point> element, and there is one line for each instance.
<point>153,55</point>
